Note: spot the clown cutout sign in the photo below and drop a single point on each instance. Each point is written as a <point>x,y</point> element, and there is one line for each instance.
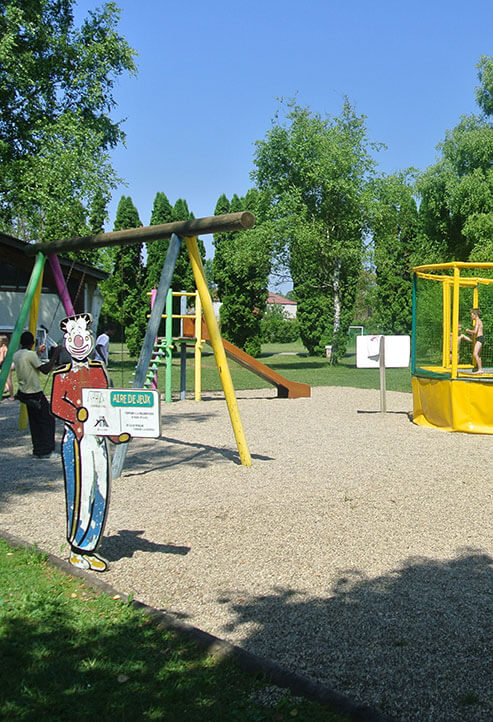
<point>85,457</point>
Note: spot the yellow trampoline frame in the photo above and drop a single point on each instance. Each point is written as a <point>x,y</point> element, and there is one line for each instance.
<point>449,397</point>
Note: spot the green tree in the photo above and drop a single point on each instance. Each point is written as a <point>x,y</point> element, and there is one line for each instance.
<point>241,265</point>
<point>277,327</point>
<point>98,213</point>
<point>183,279</point>
<point>394,227</point>
<point>314,171</point>
<point>162,212</point>
<point>221,241</point>
<point>456,209</point>
<point>124,291</point>
<point>56,98</point>
<point>97,217</point>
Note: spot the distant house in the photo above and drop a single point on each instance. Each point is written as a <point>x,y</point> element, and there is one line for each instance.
<point>274,299</point>
<point>289,307</point>
<point>15,270</point>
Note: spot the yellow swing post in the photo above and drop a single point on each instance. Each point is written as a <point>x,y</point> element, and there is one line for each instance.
<point>218,348</point>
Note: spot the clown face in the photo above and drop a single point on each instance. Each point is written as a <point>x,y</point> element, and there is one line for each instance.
<point>79,340</point>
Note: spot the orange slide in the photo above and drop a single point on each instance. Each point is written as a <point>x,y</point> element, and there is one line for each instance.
<point>285,389</point>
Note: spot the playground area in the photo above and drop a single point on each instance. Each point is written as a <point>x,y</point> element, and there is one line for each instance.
<point>356,550</point>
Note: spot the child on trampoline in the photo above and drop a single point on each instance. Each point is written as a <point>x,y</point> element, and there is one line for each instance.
<point>461,337</point>
<point>478,339</point>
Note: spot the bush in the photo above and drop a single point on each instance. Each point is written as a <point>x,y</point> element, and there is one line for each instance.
<point>275,327</point>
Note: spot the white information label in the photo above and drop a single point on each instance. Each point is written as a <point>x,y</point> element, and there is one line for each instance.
<point>112,412</point>
<point>397,351</point>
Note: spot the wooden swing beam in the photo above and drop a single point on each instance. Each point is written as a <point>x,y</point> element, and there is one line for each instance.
<point>194,227</point>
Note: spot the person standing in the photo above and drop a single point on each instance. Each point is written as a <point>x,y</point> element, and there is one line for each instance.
<point>478,339</point>
<point>9,385</point>
<point>28,366</point>
<point>102,347</point>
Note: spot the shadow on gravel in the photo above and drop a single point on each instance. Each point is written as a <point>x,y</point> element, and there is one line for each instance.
<point>167,452</point>
<point>126,542</point>
<point>21,473</point>
<point>416,644</point>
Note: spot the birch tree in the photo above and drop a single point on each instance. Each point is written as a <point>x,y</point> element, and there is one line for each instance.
<point>315,169</point>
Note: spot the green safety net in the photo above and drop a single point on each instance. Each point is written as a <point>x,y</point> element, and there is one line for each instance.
<point>428,321</point>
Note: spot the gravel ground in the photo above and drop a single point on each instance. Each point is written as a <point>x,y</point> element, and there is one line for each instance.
<point>357,549</point>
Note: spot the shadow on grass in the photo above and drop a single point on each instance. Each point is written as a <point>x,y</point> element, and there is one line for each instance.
<point>125,670</point>
<point>297,365</point>
<point>415,643</point>
<point>70,652</point>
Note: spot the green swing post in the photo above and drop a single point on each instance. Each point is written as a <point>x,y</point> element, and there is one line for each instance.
<point>22,318</point>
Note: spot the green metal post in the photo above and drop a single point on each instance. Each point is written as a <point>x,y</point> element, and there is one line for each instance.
<point>413,337</point>
<point>22,318</point>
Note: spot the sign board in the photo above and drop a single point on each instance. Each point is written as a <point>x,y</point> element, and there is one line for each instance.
<point>397,351</point>
<point>112,412</point>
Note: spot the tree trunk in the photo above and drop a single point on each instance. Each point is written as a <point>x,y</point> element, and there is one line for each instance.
<point>337,300</point>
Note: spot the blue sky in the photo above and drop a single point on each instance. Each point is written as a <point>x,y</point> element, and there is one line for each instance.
<point>210,73</point>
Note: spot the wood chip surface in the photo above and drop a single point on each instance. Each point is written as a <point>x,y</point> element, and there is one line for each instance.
<point>356,550</point>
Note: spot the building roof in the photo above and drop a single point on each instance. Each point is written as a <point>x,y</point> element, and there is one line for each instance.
<point>282,300</point>
<point>12,252</point>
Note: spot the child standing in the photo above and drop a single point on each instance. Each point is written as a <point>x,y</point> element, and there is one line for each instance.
<point>477,333</point>
<point>9,385</point>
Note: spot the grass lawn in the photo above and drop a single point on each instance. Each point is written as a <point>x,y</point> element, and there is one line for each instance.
<point>290,360</point>
<point>70,653</point>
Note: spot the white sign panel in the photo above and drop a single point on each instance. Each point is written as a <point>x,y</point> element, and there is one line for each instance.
<point>397,351</point>
<point>112,412</point>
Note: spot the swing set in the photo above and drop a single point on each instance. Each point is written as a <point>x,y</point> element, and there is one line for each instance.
<point>176,232</point>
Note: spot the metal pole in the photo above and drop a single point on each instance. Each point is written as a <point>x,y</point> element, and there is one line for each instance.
<point>383,385</point>
<point>150,335</point>
<point>414,330</point>
<point>198,347</point>
<point>183,371</point>
<point>455,323</point>
<point>183,351</point>
<point>22,318</point>
<point>32,327</point>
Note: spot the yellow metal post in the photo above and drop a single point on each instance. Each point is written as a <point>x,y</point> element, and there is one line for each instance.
<point>475,297</point>
<point>455,322</point>
<point>198,347</point>
<point>446,346</point>
<point>218,348</point>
